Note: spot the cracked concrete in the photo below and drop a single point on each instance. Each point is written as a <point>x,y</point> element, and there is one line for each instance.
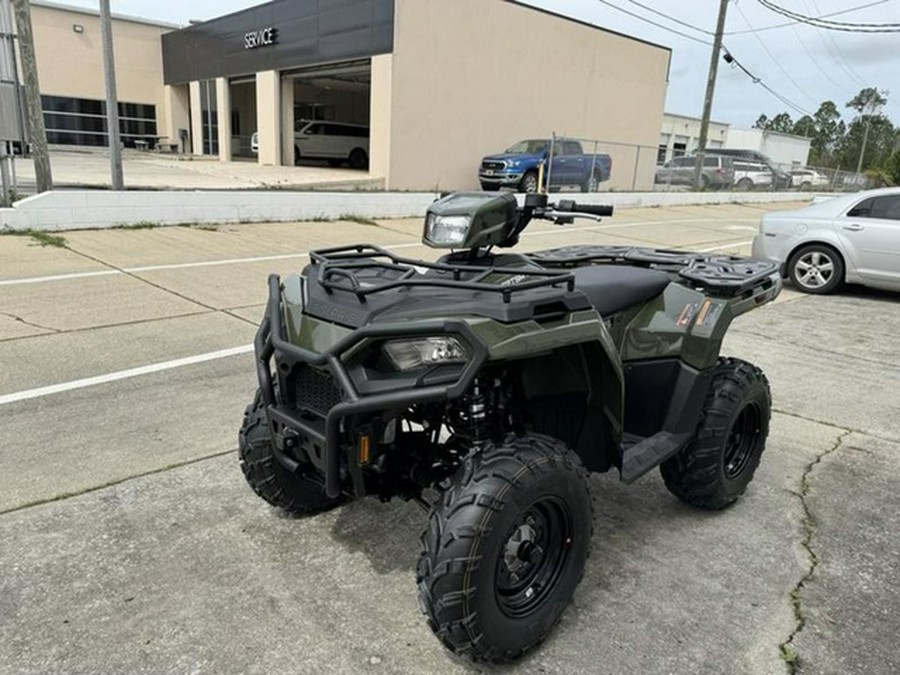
<point>788,652</point>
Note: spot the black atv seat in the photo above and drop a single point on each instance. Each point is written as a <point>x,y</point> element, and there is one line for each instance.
<point>612,288</point>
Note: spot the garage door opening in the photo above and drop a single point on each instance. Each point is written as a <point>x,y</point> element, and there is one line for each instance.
<point>243,117</point>
<point>327,122</point>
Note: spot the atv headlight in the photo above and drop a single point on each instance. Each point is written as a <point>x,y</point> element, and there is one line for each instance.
<point>447,230</point>
<point>421,352</point>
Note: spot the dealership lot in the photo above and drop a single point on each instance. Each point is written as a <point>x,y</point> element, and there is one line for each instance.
<point>132,544</point>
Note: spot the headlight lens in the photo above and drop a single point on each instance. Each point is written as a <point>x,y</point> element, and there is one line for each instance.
<point>421,352</point>
<point>447,230</point>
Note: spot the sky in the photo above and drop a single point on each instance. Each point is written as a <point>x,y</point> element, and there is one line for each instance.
<point>802,64</point>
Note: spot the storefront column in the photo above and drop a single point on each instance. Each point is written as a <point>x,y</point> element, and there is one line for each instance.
<point>268,117</point>
<point>223,108</point>
<point>177,106</point>
<point>287,122</point>
<point>196,119</point>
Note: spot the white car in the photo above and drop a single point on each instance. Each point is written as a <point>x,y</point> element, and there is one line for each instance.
<point>807,179</point>
<point>852,238</point>
<point>335,141</point>
<point>751,175</point>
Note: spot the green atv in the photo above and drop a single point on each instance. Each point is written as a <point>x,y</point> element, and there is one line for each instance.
<point>485,386</point>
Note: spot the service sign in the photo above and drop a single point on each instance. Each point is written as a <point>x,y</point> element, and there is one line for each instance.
<point>264,37</point>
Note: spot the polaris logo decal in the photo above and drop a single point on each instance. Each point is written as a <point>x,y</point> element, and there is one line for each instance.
<point>264,37</point>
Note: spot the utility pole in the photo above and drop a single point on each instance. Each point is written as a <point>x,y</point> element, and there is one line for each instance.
<point>112,100</point>
<point>38,134</point>
<point>862,150</point>
<point>8,90</point>
<point>710,90</point>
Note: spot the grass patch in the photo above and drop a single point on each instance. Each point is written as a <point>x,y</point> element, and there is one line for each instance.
<point>360,220</point>
<point>39,236</point>
<point>140,225</point>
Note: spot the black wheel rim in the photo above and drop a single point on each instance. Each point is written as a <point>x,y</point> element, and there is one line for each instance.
<point>533,557</point>
<point>742,440</point>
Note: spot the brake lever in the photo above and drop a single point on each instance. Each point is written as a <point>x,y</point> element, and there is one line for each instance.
<point>568,217</point>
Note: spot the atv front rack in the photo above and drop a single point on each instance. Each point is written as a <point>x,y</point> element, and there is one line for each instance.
<point>718,274</point>
<point>340,270</point>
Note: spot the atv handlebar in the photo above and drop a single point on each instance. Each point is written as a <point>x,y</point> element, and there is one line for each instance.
<point>589,209</point>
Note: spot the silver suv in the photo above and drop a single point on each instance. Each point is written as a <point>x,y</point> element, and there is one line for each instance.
<point>717,171</point>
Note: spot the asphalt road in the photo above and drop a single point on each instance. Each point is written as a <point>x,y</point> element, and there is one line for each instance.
<point>130,542</point>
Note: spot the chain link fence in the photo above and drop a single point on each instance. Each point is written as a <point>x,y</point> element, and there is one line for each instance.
<point>578,164</point>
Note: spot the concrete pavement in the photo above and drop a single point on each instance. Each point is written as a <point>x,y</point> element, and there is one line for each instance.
<point>132,544</point>
<point>153,171</point>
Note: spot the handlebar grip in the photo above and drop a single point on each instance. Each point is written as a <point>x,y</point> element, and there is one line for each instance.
<point>598,210</point>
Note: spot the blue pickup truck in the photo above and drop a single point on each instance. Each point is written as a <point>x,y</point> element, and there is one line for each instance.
<point>517,168</point>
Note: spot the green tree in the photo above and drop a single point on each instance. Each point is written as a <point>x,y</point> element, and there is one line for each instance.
<point>868,101</point>
<point>870,152</point>
<point>880,140</point>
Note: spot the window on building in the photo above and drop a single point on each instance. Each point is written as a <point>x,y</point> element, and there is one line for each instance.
<point>79,121</point>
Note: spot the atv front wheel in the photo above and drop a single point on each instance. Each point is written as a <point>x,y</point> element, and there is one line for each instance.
<point>298,494</point>
<point>505,547</point>
<point>715,469</point>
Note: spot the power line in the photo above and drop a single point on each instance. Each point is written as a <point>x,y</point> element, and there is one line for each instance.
<point>730,58</point>
<point>772,56</point>
<point>671,18</point>
<point>654,23</point>
<point>821,16</point>
<point>841,59</point>
<point>832,25</point>
<point>815,61</point>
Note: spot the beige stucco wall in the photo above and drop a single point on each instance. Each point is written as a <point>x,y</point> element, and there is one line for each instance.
<point>71,64</point>
<point>470,77</point>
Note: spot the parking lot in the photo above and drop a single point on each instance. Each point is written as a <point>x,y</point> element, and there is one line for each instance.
<point>131,543</point>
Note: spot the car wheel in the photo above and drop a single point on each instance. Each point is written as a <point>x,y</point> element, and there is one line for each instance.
<point>529,183</point>
<point>359,159</point>
<point>816,269</point>
<point>591,184</point>
<point>505,547</point>
<point>715,469</point>
<point>744,185</point>
<point>805,186</point>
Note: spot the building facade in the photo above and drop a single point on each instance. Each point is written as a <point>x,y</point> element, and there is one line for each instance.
<point>70,69</point>
<point>785,150</point>
<point>680,135</point>
<point>439,84</point>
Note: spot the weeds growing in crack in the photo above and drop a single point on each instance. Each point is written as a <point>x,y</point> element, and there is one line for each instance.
<point>786,649</point>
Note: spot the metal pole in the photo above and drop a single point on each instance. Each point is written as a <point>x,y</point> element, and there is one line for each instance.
<point>862,150</point>
<point>38,135</point>
<point>112,101</point>
<point>593,168</point>
<point>710,91</point>
<point>550,160</point>
<point>7,77</point>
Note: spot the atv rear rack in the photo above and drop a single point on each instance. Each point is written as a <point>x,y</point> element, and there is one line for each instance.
<point>339,270</point>
<point>719,274</point>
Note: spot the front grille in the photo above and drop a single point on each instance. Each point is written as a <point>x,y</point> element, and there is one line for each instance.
<point>493,166</point>
<point>316,390</point>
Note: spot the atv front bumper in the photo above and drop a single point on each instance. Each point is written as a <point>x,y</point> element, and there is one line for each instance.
<point>324,442</point>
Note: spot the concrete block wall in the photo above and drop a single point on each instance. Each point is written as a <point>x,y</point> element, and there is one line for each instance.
<point>71,210</point>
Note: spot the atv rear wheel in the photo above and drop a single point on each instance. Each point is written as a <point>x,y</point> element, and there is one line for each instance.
<point>715,469</point>
<point>298,494</point>
<point>505,547</point>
